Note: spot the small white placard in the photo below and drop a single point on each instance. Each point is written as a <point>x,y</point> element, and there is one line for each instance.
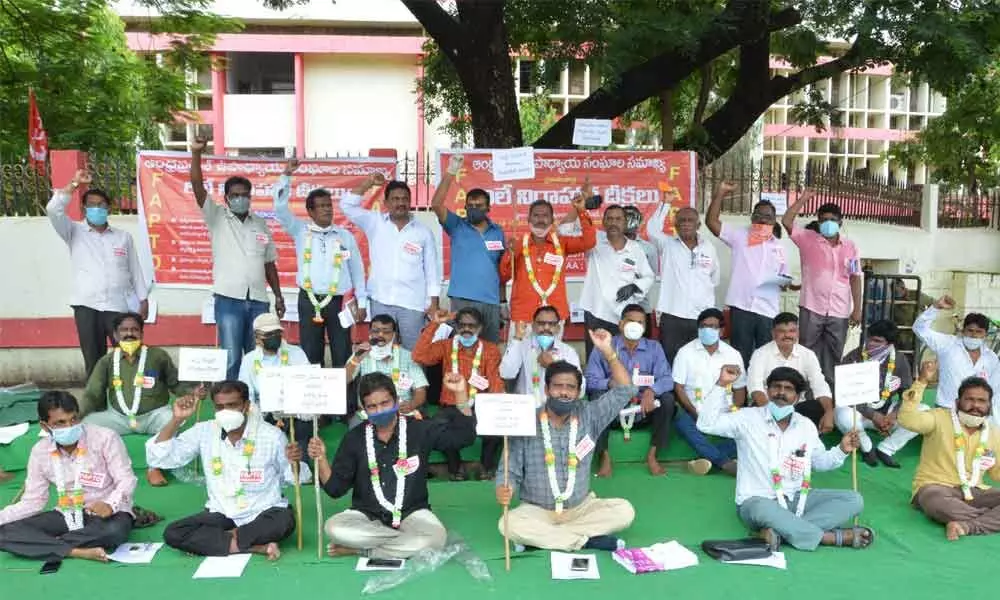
<point>151,311</point>
<point>214,567</point>
<point>202,364</point>
<point>575,313</point>
<point>856,383</point>
<point>270,389</point>
<point>506,414</point>
<point>442,332</point>
<point>512,164</point>
<point>291,308</point>
<point>592,132</point>
<point>136,553</point>
<point>778,199</point>
<point>312,391</point>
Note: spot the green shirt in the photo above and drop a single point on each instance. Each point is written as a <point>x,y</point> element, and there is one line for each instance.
<point>160,381</point>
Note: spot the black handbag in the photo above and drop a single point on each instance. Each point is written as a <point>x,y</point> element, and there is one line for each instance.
<point>729,550</point>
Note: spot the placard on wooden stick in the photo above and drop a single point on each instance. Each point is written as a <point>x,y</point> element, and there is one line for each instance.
<point>312,391</point>
<point>202,364</point>
<point>856,383</point>
<point>506,415</point>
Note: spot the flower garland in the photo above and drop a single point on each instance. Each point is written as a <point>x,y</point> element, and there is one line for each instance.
<point>139,380</point>
<point>550,460</point>
<point>70,502</point>
<point>890,368</point>
<point>536,374</point>
<point>338,262</point>
<point>478,358</point>
<point>530,269</point>
<point>219,470</point>
<point>627,422</point>
<point>258,360</point>
<point>966,481</point>
<point>777,480</point>
<point>699,395</point>
<point>401,466</point>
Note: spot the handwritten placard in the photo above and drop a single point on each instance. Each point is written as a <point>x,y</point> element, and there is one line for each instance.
<point>311,391</point>
<point>271,389</point>
<point>512,164</point>
<point>778,199</point>
<point>202,364</point>
<point>856,383</point>
<point>592,132</point>
<point>506,414</point>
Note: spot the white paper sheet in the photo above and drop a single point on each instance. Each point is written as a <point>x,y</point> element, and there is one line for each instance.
<point>513,164</point>
<point>346,318</point>
<point>208,311</point>
<point>562,564</point>
<point>11,433</point>
<point>214,567</point>
<point>136,553</point>
<point>364,566</point>
<point>575,313</point>
<point>506,414</point>
<point>857,383</point>
<point>153,309</point>
<point>778,199</point>
<point>776,560</point>
<point>592,132</point>
<point>202,364</point>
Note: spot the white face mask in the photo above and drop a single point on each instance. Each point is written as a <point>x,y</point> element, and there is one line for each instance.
<point>381,352</point>
<point>633,331</point>
<point>972,343</point>
<point>972,421</point>
<point>229,419</point>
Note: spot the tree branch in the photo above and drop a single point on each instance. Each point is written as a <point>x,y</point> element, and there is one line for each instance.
<point>439,25</point>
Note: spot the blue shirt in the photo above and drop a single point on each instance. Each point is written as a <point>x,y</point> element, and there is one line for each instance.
<point>648,358</point>
<point>475,271</point>
<point>324,243</point>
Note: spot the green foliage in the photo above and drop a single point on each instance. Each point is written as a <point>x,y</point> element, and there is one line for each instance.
<point>537,115</point>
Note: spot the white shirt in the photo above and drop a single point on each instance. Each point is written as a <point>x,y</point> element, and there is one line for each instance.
<point>404,263</point>
<point>240,250</point>
<point>248,372</point>
<point>762,445</point>
<point>268,464</point>
<point>520,361</point>
<point>955,362</point>
<point>688,278</point>
<point>607,271</point>
<point>695,368</point>
<point>768,358</point>
<point>106,271</point>
<point>653,258</point>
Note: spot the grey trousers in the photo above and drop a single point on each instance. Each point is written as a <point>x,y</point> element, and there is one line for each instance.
<point>825,336</point>
<point>410,322</point>
<point>825,510</point>
<point>491,316</point>
<point>420,530</point>
<point>46,537</point>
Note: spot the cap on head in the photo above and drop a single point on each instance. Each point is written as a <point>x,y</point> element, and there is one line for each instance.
<point>266,323</point>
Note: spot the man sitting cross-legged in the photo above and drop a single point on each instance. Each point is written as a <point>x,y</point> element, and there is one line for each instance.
<point>777,449</point>
<point>385,462</point>
<point>960,445</point>
<point>551,471</point>
<point>94,484</point>
<point>244,462</point>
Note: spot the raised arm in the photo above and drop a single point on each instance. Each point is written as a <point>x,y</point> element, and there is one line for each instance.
<point>923,326</point>
<point>910,416</point>
<point>713,216</point>
<point>788,220</point>
<point>654,226</point>
<point>197,183</point>
<point>426,351</point>
<point>455,163</point>
<point>350,204</point>
<point>715,418</point>
<point>56,208</point>
<point>621,390</point>
<point>513,354</point>
<point>588,236</point>
<point>282,196</point>
<point>168,452</point>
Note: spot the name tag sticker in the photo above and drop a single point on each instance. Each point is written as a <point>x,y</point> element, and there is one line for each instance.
<point>405,383</point>
<point>412,464</point>
<point>479,382</point>
<point>120,252</point>
<point>986,462</point>
<point>262,239</point>
<point>345,254</point>
<point>628,266</point>
<point>251,476</point>
<point>494,245</point>
<point>584,447</point>
<point>148,383</point>
<point>412,248</point>
<point>553,259</point>
<point>894,383</point>
<point>92,480</point>
<point>643,380</point>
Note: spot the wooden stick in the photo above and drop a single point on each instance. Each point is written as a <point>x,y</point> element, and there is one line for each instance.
<point>319,504</point>
<point>197,419</point>
<point>506,508</point>
<point>298,488</point>
<point>854,458</point>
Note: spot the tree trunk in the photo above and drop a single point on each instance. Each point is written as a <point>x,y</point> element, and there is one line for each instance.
<point>667,119</point>
<point>703,93</point>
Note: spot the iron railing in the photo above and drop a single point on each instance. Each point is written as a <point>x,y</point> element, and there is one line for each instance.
<point>961,208</point>
<point>24,191</point>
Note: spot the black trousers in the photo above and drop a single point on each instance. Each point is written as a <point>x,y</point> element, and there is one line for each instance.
<point>675,332</point>
<point>489,453</point>
<point>46,537</point>
<point>207,533</point>
<point>93,327</point>
<point>303,430</point>
<point>313,336</point>
<point>590,323</point>
<point>748,331</point>
<point>810,408</point>
<point>660,420</point>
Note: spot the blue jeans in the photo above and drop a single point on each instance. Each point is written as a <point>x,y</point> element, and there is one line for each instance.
<point>234,328</point>
<point>719,453</point>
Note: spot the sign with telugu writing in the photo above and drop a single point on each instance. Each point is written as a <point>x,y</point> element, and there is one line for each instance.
<point>312,391</point>
<point>513,164</point>
<point>202,364</point>
<point>592,132</point>
<point>778,199</point>
<point>271,389</point>
<point>506,414</point>
<point>856,383</point>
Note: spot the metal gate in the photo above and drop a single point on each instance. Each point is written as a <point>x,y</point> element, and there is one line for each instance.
<point>894,297</point>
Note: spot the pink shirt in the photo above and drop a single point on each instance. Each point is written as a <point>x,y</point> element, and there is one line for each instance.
<point>827,269</point>
<point>107,476</point>
<point>754,284</point>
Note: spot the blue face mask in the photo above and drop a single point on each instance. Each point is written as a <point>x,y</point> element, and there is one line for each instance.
<point>545,341</point>
<point>780,412</point>
<point>468,340</point>
<point>97,215</point>
<point>383,417</point>
<point>708,336</point>
<point>829,229</point>
<point>67,436</point>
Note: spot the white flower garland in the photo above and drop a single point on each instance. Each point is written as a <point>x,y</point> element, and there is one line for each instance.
<point>69,502</point>
<point>219,466</point>
<point>550,461</point>
<point>777,479</point>
<point>967,482</point>
<point>401,466</point>
<point>139,381</point>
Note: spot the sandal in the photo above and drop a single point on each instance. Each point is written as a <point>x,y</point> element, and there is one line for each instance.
<point>145,518</point>
<point>858,539</point>
<point>772,538</point>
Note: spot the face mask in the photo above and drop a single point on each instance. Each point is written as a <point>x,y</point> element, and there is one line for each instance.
<point>829,229</point>
<point>877,351</point>
<point>67,436</point>
<point>240,205</point>
<point>708,336</point>
<point>779,413</point>
<point>271,343</point>
<point>383,417</point>
<point>972,343</point>
<point>380,352</point>
<point>540,231</point>
<point>130,347</point>
<point>764,231</point>
<point>468,340</point>
<point>545,341</point>
<point>229,420</point>
<point>633,331</point>
<point>97,215</point>
<point>559,407</point>
<point>972,421</point>
<point>475,215</point>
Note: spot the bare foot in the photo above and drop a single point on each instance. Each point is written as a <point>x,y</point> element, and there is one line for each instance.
<point>955,530</point>
<point>604,471</point>
<point>655,468</point>
<point>336,551</point>
<point>773,540</point>
<point>97,554</point>
<point>271,551</point>
<point>700,466</point>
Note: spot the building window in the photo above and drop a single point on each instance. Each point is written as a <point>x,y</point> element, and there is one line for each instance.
<point>260,73</point>
<point>577,78</point>
<point>526,75</point>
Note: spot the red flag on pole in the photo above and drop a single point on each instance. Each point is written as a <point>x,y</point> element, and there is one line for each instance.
<point>38,140</point>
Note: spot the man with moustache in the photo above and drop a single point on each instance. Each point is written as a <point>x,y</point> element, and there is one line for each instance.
<point>383,354</point>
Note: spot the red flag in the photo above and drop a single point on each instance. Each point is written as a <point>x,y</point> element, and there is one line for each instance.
<point>38,140</point>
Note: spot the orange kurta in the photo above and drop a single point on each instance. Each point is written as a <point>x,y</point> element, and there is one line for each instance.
<point>524,299</point>
<point>429,353</point>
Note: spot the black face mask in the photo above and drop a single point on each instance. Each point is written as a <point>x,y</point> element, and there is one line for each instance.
<point>271,343</point>
<point>475,215</point>
<point>559,407</point>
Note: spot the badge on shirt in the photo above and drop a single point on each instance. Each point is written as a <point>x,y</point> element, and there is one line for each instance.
<point>584,447</point>
<point>345,254</point>
<point>494,245</point>
<point>412,464</point>
<point>796,467</point>
<point>553,259</point>
<point>703,261</point>
<point>148,383</point>
<point>779,254</point>
<point>120,252</point>
<point>642,380</point>
<point>412,248</point>
<point>92,480</point>
<point>262,239</point>
<point>894,383</point>
<point>256,476</point>
<point>479,382</point>
<point>628,265</point>
<point>986,462</point>
<point>405,383</point>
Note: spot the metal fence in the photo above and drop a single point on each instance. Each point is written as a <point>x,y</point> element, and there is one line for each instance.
<point>23,190</point>
<point>960,208</point>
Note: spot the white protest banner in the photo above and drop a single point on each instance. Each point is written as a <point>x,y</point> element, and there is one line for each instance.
<point>202,364</point>
<point>856,383</point>
<point>312,391</point>
<point>592,132</point>
<point>778,199</point>
<point>271,389</point>
<point>512,164</point>
<point>506,414</point>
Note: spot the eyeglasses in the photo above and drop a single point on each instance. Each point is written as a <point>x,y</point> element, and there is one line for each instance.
<point>549,323</point>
